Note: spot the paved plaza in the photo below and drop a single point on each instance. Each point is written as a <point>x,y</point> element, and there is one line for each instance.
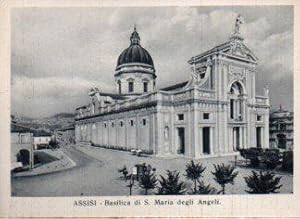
<point>96,174</point>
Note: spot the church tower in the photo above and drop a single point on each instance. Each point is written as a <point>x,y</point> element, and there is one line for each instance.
<point>135,72</point>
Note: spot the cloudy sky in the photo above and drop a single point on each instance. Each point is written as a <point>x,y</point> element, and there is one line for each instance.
<point>59,53</point>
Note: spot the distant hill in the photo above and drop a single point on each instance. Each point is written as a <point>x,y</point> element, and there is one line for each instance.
<point>63,115</point>
<point>57,121</point>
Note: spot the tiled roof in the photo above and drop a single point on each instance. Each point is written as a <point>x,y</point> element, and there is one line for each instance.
<point>16,128</point>
<point>114,96</point>
<point>83,107</point>
<point>175,86</point>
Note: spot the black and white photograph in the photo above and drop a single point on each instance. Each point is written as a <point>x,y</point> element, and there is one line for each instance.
<point>148,101</point>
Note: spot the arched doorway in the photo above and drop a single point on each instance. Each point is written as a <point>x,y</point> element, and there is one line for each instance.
<point>24,157</point>
<point>281,138</point>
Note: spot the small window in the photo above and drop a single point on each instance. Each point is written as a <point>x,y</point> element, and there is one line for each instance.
<point>258,117</point>
<point>282,127</point>
<point>144,121</point>
<point>104,125</point>
<point>131,122</point>
<point>121,123</point>
<point>130,86</point>
<point>205,115</point>
<point>119,87</point>
<point>180,117</point>
<point>145,87</point>
<point>231,108</point>
<point>112,124</point>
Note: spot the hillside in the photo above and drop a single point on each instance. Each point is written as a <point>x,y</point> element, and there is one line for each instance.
<point>57,121</point>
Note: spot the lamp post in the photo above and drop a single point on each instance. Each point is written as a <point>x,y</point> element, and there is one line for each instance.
<point>131,181</point>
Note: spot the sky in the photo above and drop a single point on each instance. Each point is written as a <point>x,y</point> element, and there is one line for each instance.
<point>58,54</point>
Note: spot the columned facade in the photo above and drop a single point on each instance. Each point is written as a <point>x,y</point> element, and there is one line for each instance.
<point>215,113</point>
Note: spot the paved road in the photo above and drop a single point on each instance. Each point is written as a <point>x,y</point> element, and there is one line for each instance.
<point>96,175</point>
<point>80,180</point>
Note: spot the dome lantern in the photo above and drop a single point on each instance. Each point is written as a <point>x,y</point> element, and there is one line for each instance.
<point>135,38</point>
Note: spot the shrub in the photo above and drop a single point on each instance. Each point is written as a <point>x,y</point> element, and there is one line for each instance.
<point>271,158</point>
<point>148,181</point>
<point>171,185</point>
<point>53,144</point>
<point>262,183</point>
<point>224,174</point>
<point>204,189</point>
<point>194,172</point>
<point>288,161</point>
<point>252,154</point>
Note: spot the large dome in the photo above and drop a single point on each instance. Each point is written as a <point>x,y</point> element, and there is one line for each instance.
<point>135,53</point>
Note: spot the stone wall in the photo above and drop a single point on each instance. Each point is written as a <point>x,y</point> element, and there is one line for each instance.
<point>131,130</point>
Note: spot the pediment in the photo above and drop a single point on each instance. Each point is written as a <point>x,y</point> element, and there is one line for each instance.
<point>234,48</point>
<point>238,49</point>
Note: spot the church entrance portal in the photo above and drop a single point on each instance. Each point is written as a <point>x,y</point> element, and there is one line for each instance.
<point>205,140</point>
<point>258,137</point>
<point>236,138</point>
<point>181,143</point>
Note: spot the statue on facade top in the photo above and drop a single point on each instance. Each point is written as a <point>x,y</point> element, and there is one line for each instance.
<point>236,35</point>
<point>239,20</point>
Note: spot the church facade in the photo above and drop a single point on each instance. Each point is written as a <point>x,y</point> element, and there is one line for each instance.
<point>214,113</point>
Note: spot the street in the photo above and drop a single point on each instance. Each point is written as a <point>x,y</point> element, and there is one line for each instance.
<point>96,174</point>
<point>81,180</point>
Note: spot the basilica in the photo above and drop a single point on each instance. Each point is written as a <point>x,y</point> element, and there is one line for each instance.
<point>214,112</point>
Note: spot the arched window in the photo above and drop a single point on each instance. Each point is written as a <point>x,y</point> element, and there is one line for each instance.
<point>145,83</point>
<point>236,101</point>
<point>119,87</point>
<point>130,86</point>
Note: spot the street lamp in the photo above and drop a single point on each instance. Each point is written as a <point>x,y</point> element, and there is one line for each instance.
<point>131,181</point>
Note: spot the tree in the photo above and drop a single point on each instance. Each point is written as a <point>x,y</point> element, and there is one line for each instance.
<point>287,161</point>
<point>53,143</point>
<point>171,185</point>
<point>262,183</point>
<point>148,181</point>
<point>204,190</point>
<point>224,174</point>
<point>271,158</point>
<point>194,172</point>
